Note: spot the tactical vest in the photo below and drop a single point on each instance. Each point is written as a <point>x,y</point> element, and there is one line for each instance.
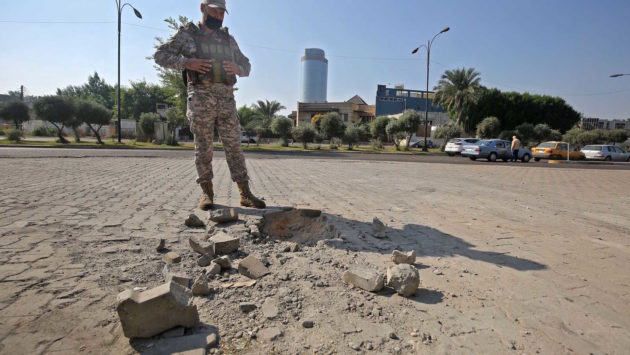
<point>216,47</point>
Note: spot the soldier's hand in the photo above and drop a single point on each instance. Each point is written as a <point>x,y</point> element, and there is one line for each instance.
<point>231,68</point>
<point>199,65</point>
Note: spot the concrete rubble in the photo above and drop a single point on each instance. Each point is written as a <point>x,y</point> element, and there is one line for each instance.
<point>399,257</point>
<point>172,258</point>
<point>194,222</point>
<point>252,268</point>
<point>224,243</point>
<point>178,278</point>
<point>404,279</point>
<point>364,278</point>
<point>200,246</point>
<point>200,287</point>
<point>149,313</point>
<point>378,229</point>
<point>224,215</point>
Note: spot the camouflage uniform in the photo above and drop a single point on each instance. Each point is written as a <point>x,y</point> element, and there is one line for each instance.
<point>210,96</point>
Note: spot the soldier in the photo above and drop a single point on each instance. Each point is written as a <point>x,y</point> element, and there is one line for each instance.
<point>210,60</point>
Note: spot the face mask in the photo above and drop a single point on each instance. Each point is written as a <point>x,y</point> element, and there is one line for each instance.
<point>213,23</point>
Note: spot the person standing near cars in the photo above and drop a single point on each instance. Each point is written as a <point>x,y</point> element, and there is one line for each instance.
<point>516,146</point>
<point>210,60</point>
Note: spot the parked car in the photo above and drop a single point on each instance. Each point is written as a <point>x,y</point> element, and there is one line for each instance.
<point>605,152</point>
<point>246,139</point>
<point>555,151</point>
<point>456,145</point>
<point>493,149</point>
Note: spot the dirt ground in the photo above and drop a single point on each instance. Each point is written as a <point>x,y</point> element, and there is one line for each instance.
<point>511,259</point>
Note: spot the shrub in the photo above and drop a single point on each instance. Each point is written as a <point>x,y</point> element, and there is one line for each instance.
<point>525,132</point>
<point>378,128</point>
<point>1,132</point>
<point>448,132</point>
<point>147,124</point>
<point>352,135</point>
<point>488,128</point>
<point>282,126</point>
<point>94,115</point>
<point>44,131</point>
<point>376,144</point>
<point>14,135</point>
<point>617,136</point>
<point>171,140</point>
<point>331,126</point>
<point>403,128</point>
<point>304,134</point>
<point>507,135</point>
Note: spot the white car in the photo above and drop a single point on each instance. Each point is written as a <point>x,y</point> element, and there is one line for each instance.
<point>245,139</point>
<point>456,145</point>
<point>605,152</point>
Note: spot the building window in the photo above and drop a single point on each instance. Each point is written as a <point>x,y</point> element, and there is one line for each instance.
<point>345,117</point>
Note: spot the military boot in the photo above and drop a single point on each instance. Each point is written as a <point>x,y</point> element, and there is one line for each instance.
<point>208,195</point>
<point>247,198</point>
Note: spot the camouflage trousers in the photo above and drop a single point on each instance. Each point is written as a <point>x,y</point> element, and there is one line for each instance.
<point>210,104</point>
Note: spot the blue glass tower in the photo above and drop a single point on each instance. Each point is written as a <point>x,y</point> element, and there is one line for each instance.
<point>314,76</point>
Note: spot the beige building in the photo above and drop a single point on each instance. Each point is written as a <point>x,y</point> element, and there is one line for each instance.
<point>351,111</point>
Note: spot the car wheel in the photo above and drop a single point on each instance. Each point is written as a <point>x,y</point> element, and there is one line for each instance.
<point>492,157</point>
<point>536,159</point>
<point>526,158</point>
<point>608,158</point>
<point>473,158</point>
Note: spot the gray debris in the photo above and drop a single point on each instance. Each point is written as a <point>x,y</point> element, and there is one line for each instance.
<point>194,222</point>
<point>224,215</point>
<point>364,278</point>
<point>404,279</point>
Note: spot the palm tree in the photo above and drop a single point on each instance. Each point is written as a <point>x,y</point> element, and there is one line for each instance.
<point>267,110</point>
<point>457,91</point>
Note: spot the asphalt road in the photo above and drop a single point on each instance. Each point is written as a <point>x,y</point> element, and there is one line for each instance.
<point>26,153</point>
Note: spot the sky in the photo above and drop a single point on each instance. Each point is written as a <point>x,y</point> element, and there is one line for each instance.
<point>565,48</point>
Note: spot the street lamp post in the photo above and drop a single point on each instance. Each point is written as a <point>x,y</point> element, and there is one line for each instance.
<point>426,109</point>
<point>120,6</point>
<point>618,75</point>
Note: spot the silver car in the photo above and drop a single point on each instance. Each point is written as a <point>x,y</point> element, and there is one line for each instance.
<point>456,145</point>
<point>605,152</point>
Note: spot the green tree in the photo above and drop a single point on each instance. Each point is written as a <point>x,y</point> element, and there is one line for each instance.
<point>58,111</point>
<point>448,132</point>
<point>404,127</point>
<point>16,111</point>
<point>617,136</point>
<point>174,118</point>
<point>282,126</point>
<point>304,134</point>
<point>267,111</point>
<point>96,90</point>
<point>526,133</point>
<point>507,135</point>
<point>378,128</point>
<point>140,98</point>
<point>94,115</point>
<point>457,91</point>
<point>490,127</point>
<point>331,126</point>
<point>15,135</point>
<point>147,124</point>
<point>176,93</point>
<point>352,135</point>
<point>542,132</point>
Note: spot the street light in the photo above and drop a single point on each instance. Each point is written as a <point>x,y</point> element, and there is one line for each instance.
<point>426,112</point>
<point>120,6</point>
<point>618,75</point>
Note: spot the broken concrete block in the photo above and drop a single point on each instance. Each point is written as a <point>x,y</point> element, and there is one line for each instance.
<point>378,228</point>
<point>200,286</point>
<point>204,260</point>
<point>224,262</point>
<point>224,243</point>
<point>270,308</point>
<point>172,258</point>
<point>247,307</point>
<point>254,230</point>
<point>224,215</point>
<point>365,279</point>
<point>148,313</point>
<point>180,279</point>
<point>252,268</point>
<point>194,222</point>
<point>399,257</point>
<point>290,247</point>
<point>174,333</point>
<point>200,246</point>
<point>403,278</point>
<point>161,246</point>
<point>213,269</point>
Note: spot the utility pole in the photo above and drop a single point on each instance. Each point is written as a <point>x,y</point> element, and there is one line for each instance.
<point>22,93</point>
